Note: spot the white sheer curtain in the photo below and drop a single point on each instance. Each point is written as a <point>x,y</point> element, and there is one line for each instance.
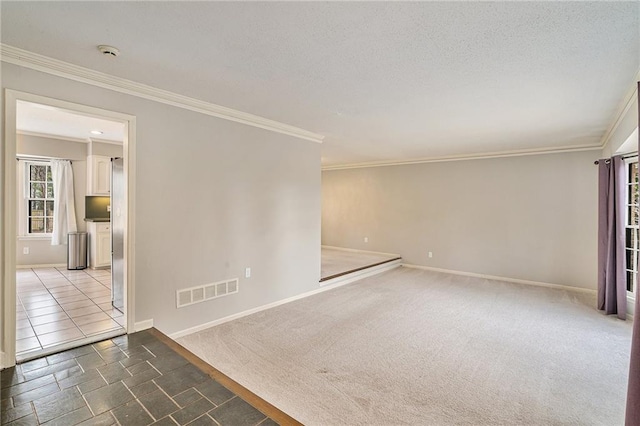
<point>64,208</point>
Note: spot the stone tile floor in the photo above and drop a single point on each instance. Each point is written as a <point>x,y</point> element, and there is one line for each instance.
<point>129,380</point>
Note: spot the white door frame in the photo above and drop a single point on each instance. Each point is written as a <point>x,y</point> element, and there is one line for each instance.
<point>8,343</point>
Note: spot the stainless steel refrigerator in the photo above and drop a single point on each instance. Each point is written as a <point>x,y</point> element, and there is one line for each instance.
<point>117,233</point>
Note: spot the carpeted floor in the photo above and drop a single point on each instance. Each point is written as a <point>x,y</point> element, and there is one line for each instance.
<point>335,262</point>
<point>417,347</point>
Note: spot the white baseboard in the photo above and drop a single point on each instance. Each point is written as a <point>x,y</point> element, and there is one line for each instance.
<point>359,251</point>
<point>506,279</point>
<point>143,325</point>
<point>631,307</point>
<point>326,286</point>
<point>43,265</point>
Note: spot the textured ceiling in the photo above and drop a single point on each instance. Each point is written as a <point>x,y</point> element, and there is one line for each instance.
<point>381,80</point>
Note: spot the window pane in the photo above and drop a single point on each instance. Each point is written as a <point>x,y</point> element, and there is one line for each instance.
<point>49,208</point>
<point>49,190</point>
<point>633,215</point>
<point>629,237</point>
<point>632,194</point>
<point>38,173</point>
<point>36,208</point>
<point>49,225</point>
<point>49,178</point>
<point>37,190</point>
<point>629,257</point>
<point>630,281</point>
<point>633,172</point>
<point>36,225</point>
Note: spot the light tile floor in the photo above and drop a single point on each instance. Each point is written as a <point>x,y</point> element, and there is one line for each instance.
<point>55,305</point>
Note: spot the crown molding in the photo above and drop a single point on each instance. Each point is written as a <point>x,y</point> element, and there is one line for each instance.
<point>628,100</point>
<point>34,61</point>
<point>477,156</point>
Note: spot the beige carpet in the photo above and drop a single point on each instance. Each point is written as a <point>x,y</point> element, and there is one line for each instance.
<point>417,347</point>
<point>339,261</point>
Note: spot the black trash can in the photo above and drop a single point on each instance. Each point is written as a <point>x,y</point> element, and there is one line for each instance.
<point>76,250</point>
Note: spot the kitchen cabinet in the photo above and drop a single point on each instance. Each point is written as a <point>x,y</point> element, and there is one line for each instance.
<point>99,244</point>
<point>98,175</point>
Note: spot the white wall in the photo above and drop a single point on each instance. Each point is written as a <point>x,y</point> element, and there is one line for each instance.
<point>41,252</point>
<point>212,197</point>
<point>105,149</point>
<point>51,147</point>
<point>531,218</point>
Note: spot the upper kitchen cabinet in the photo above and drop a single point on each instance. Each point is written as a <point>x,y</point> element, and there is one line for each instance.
<point>98,175</point>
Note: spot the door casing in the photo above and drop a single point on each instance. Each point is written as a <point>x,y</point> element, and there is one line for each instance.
<point>10,199</point>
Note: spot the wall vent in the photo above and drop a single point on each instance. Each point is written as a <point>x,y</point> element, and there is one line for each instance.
<point>197,294</point>
<point>201,293</point>
<point>184,297</point>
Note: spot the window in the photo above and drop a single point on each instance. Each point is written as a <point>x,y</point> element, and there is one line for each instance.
<point>39,198</point>
<point>631,232</point>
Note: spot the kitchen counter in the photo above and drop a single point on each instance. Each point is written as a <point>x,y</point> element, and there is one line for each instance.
<point>88,219</point>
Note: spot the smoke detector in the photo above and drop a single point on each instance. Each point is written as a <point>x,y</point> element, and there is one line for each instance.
<point>109,50</point>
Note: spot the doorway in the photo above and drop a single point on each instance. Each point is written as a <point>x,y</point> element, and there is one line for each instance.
<point>48,307</point>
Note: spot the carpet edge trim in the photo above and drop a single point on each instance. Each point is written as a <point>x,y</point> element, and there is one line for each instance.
<point>256,401</point>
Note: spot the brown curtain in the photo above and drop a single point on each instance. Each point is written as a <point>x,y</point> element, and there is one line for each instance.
<point>612,285</point>
<point>633,393</point>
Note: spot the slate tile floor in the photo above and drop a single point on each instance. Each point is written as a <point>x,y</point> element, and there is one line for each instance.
<point>55,305</point>
<point>134,379</point>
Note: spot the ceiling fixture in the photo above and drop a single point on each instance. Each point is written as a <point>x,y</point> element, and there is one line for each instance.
<point>96,132</point>
<point>109,50</point>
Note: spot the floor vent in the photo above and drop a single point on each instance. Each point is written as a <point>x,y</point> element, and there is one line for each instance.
<point>201,293</point>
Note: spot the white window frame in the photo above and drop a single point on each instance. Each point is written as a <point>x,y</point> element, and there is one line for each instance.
<point>631,295</point>
<point>23,205</point>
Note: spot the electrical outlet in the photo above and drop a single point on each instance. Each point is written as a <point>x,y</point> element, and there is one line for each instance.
<point>366,239</point>
<point>430,254</point>
<point>25,250</point>
<point>247,272</point>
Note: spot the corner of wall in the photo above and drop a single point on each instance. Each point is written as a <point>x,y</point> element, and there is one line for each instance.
<point>143,325</point>
<point>623,126</point>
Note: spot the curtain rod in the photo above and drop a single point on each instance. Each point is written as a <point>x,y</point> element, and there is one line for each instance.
<point>42,159</point>
<point>624,157</point>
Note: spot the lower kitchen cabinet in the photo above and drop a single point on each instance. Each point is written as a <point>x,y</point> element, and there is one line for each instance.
<point>99,244</point>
